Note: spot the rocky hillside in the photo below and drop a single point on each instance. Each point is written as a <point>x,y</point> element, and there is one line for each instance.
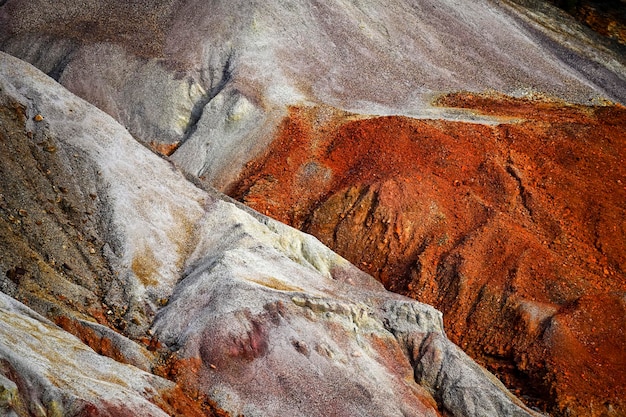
<point>466,154</point>
<point>136,293</point>
<point>606,17</point>
<point>513,230</point>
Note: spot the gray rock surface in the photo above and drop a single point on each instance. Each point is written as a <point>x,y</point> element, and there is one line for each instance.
<point>255,316</point>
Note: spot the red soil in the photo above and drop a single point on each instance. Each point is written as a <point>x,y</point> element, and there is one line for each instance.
<point>165,149</point>
<point>188,400</point>
<point>102,345</point>
<point>608,18</point>
<point>516,231</point>
<point>180,400</point>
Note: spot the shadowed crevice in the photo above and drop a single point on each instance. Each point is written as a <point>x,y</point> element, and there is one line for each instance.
<point>198,109</point>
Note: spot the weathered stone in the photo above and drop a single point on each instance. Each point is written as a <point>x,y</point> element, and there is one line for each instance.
<point>249,325</point>
<point>46,371</point>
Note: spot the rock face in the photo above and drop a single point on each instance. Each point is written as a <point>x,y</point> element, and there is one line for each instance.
<point>504,210</point>
<point>243,314</point>
<point>46,371</point>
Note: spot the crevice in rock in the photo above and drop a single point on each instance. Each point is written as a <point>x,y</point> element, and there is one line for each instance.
<point>480,295</point>
<point>198,109</point>
<point>523,192</point>
<point>57,71</point>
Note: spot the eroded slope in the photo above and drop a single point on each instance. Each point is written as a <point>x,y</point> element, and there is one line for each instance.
<point>515,230</point>
<point>242,314</point>
<point>209,81</point>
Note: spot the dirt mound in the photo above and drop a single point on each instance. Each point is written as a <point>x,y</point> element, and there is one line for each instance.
<point>515,230</point>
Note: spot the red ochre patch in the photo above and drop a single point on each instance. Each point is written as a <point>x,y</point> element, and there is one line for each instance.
<point>516,230</point>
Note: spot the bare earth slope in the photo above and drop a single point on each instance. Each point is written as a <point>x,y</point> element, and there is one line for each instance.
<point>209,81</point>
<point>197,305</point>
<point>515,231</point>
<point>502,206</point>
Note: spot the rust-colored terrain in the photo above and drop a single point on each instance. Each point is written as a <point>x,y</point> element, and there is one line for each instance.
<point>606,17</point>
<point>516,230</point>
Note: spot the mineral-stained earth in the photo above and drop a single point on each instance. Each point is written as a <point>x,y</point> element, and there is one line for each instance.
<point>515,230</point>
<point>606,17</point>
<point>129,291</point>
<point>465,154</point>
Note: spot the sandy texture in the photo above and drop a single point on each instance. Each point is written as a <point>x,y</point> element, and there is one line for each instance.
<point>512,206</point>
<point>157,68</point>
